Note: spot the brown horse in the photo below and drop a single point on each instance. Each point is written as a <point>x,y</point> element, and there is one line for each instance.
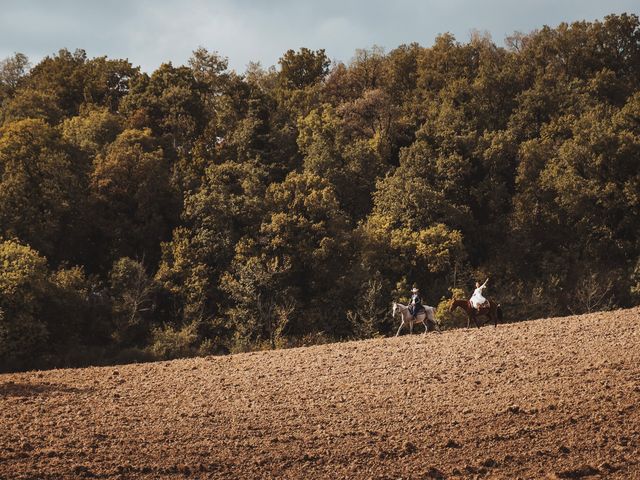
<point>493,312</point>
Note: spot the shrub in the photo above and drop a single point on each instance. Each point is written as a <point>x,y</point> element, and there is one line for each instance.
<point>445,317</point>
<point>168,343</point>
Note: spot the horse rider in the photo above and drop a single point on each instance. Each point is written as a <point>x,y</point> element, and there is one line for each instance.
<point>477,299</point>
<point>415,304</point>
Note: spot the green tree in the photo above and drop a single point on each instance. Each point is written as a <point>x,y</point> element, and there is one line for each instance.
<point>12,70</point>
<point>306,227</point>
<point>92,130</point>
<point>41,189</point>
<point>303,68</point>
<point>214,219</point>
<point>132,291</point>
<point>257,285</point>
<point>133,202</point>
<point>367,320</point>
<point>23,284</point>
<point>169,102</point>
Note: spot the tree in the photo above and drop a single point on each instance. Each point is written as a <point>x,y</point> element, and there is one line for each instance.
<point>208,67</point>
<point>12,70</point>
<point>303,68</point>
<point>132,199</point>
<point>47,317</point>
<point>23,284</point>
<point>306,227</point>
<point>63,76</point>
<point>32,103</point>
<point>213,221</point>
<point>41,189</point>
<point>427,256</point>
<point>351,164</point>
<point>132,291</point>
<point>92,130</point>
<point>261,308</point>
<point>367,320</point>
<point>367,68</point>
<point>72,80</point>
<point>169,102</point>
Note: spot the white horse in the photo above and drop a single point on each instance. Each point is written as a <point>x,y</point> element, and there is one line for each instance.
<point>425,316</point>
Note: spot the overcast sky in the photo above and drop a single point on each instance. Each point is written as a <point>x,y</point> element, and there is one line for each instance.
<point>151,32</point>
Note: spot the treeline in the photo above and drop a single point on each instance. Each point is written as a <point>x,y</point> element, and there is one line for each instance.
<point>196,211</point>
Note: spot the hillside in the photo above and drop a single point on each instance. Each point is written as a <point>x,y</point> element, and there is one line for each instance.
<point>553,398</point>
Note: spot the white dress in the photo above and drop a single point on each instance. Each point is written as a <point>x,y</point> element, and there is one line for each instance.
<point>477,298</point>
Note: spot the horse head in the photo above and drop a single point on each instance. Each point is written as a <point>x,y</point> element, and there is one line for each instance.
<point>394,310</point>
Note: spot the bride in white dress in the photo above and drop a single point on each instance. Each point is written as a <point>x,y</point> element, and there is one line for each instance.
<point>477,299</point>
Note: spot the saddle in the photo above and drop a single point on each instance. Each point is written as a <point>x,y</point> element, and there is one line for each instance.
<point>486,304</point>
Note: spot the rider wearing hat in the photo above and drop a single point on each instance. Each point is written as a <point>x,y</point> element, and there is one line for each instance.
<point>415,304</point>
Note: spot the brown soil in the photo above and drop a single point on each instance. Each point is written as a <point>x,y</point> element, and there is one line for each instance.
<point>556,398</point>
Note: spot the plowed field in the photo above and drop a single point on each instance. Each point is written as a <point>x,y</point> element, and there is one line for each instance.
<point>552,398</point>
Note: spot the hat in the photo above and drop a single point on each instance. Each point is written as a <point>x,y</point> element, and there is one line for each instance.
<point>414,290</point>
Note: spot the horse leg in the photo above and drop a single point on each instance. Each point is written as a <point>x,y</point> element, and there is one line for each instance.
<point>490,317</point>
<point>410,327</point>
<point>424,321</point>
<point>435,323</point>
<point>400,327</point>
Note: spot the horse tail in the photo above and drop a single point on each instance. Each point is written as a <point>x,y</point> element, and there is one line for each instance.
<point>500,312</point>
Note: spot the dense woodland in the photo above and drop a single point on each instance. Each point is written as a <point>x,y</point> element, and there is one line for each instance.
<point>195,210</point>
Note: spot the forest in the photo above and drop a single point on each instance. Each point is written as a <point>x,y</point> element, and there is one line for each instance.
<point>196,211</point>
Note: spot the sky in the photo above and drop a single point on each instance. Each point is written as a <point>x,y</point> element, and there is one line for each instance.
<point>149,33</point>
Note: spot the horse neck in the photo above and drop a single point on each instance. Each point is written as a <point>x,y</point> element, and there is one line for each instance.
<point>460,303</point>
<point>403,309</point>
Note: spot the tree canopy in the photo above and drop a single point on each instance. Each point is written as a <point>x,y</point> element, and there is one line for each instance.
<point>195,210</point>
